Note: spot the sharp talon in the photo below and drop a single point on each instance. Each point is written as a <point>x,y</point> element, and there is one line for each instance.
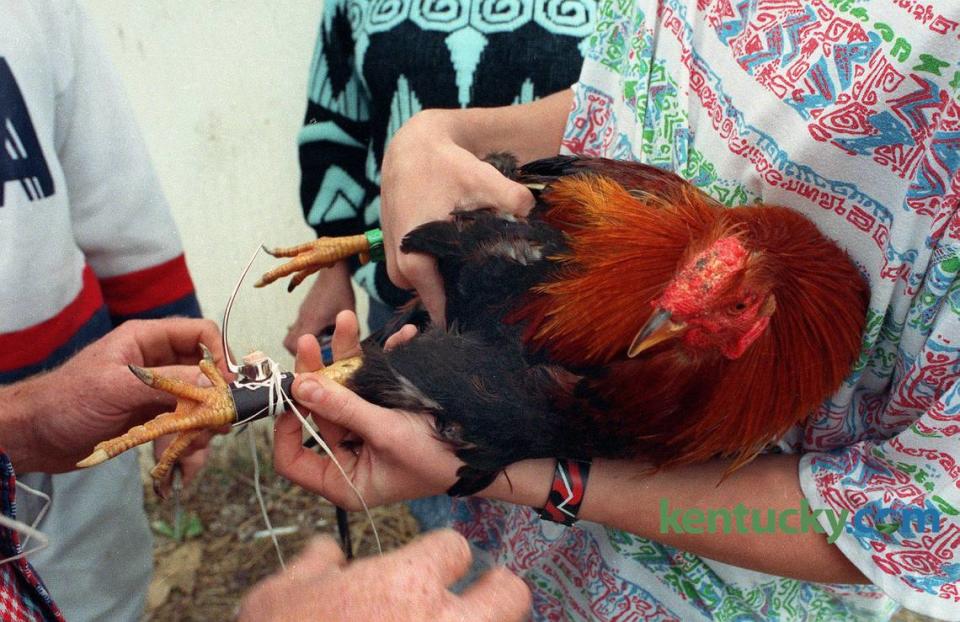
<point>267,250</point>
<point>158,491</point>
<point>260,283</point>
<point>292,285</point>
<point>97,456</point>
<point>198,408</point>
<point>145,375</point>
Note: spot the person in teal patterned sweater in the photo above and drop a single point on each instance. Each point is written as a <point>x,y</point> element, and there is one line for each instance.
<point>377,64</point>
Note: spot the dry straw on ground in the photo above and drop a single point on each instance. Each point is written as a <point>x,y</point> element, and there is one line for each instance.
<point>204,578</point>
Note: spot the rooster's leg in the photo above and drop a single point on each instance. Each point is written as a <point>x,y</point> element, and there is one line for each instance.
<point>198,408</point>
<point>321,253</point>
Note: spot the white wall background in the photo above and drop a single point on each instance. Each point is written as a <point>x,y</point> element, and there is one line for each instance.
<point>218,87</point>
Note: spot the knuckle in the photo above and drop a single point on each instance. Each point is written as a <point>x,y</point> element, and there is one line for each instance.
<point>131,327</point>
<point>210,325</point>
<point>421,118</point>
<point>518,198</point>
<point>513,587</point>
<point>336,403</point>
<point>450,545</point>
<point>324,550</point>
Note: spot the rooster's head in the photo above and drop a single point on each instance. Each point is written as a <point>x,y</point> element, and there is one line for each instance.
<point>720,299</point>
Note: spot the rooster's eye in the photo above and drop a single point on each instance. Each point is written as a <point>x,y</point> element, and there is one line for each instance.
<point>740,306</point>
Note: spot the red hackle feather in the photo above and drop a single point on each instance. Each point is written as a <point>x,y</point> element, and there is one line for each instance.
<point>683,402</point>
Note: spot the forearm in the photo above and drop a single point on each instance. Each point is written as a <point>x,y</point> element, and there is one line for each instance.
<point>619,495</point>
<point>529,131</point>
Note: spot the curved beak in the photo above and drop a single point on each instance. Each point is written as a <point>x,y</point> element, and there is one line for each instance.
<point>658,328</point>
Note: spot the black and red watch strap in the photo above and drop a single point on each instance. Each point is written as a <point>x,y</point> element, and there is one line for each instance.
<point>566,491</point>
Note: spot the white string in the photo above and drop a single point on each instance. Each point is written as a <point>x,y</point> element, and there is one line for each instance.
<point>286,401</point>
<point>231,365</point>
<point>30,531</point>
<point>43,511</point>
<point>274,406</point>
<point>263,504</point>
<point>278,402</point>
<point>252,417</point>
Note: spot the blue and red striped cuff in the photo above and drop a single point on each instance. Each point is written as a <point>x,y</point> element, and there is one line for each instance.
<point>161,291</point>
<point>141,293</point>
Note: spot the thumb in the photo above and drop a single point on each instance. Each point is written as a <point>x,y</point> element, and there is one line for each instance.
<point>429,286</point>
<point>505,194</point>
<point>442,554</point>
<point>336,404</point>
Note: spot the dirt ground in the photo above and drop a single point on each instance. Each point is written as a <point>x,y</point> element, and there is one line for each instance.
<point>203,578</point>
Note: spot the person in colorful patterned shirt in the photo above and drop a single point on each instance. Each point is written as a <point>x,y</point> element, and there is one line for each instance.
<point>846,111</point>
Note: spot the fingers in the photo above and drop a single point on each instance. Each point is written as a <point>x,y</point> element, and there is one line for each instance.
<point>346,336</point>
<point>402,336</point>
<point>320,554</point>
<point>192,461</point>
<point>309,359</point>
<point>309,356</point>
<point>330,293</point>
<point>306,324</point>
<point>293,594</point>
<point>293,334</point>
<point>174,454</point>
<point>174,340</point>
<point>331,402</point>
<point>420,271</point>
<point>287,439</point>
<point>292,460</point>
<point>444,554</point>
<point>504,194</point>
<point>498,595</point>
<point>304,466</point>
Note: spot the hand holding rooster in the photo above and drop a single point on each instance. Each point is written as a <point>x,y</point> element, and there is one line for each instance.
<point>393,455</point>
<point>453,141</point>
<point>404,462</point>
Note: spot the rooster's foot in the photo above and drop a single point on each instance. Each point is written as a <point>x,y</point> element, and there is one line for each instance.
<point>312,256</point>
<point>198,409</point>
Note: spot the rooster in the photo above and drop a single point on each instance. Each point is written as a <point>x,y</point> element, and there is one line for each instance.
<point>629,315</point>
